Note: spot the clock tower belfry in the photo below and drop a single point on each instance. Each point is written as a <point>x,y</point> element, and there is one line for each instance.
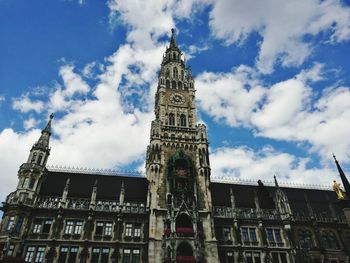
<point>178,170</point>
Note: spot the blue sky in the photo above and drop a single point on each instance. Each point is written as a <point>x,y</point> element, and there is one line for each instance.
<point>272,82</point>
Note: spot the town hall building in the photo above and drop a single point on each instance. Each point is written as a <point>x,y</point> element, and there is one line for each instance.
<point>175,213</point>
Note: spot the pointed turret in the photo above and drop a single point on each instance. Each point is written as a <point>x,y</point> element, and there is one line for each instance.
<point>343,178</point>
<point>173,44</point>
<point>276,183</point>
<point>40,150</point>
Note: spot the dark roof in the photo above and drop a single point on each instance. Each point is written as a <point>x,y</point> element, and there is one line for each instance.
<point>244,195</point>
<point>108,186</point>
<point>320,200</point>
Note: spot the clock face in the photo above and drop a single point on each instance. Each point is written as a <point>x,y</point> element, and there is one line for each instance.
<point>177,98</point>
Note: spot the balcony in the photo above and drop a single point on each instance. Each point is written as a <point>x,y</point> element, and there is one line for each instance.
<point>50,202</point>
<point>246,213</point>
<point>184,232</point>
<point>12,199</point>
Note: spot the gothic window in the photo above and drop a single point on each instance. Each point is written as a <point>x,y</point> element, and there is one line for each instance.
<point>183,120</point>
<point>103,228</point>
<point>42,225</point>
<point>227,233</point>
<point>100,255</point>
<point>249,235</point>
<point>31,183</point>
<point>40,158</point>
<point>132,230</point>
<point>179,85</point>
<point>131,255</point>
<point>174,55</point>
<point>173,84</point>
<point>35,254</point>
<point>68,254</point>
<point>167,85</point>
<point>175,73</point>
<point>26,182</point>
<point>33,158</point>
<point>73,227</point>
<point>253,257</point>
<point>230,257</point>
<point>10,250</point>
<point>184,250</point>
<point>167,73</point>
<point>19,224</point>
<point>182,75</point>
<point>329,240</point>
<point>274,236</point>
<point>279,257</point>
<point>305,239</point>
<point>184,225</point>
<point>171,119</point>
<point>10,222</point>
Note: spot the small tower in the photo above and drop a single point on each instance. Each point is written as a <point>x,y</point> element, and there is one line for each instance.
<point>16,208</point>
<point>32,172</point>
<point>345,203</point>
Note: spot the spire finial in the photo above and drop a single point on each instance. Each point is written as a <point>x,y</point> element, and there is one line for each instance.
<point>343,178</point>
<point>275,179</point>
<point>51,116</point>
<point>173,40</point>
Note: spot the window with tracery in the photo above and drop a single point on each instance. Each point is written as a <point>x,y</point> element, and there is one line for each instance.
<point>171,119</point>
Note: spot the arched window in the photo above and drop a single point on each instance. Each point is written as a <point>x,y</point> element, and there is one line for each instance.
<point>329,240</point>
<point>182,75</point>
<point>305,239</point>
<point>40,158</point>
<point>175,73</point>
<point>183,120</point>
<point>184,252</point>
<point>171,119</point>
<point>167,85</point>
<point>167,73</point>
<point>179,85</point>
<point>26,182</point>
<point>173,84</point>
<point>33,158</point>
<point>184,224</point>
<point>174,56</point>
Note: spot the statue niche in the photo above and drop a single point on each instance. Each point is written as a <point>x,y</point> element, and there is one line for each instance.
<point>180,178</point>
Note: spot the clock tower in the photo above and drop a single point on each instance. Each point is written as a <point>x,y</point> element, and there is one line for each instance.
<point>178,170</point>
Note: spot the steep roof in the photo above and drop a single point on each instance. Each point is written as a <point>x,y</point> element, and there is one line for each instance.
<point>319,200</point>
<point>108,186</point>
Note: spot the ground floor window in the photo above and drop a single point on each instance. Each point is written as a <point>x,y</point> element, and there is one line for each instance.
<point>35,254</point>
<point>68,254</point>
<point>253,257</point>
<point>131,255</point>
<point>279,257</point>
<point>100,255</point>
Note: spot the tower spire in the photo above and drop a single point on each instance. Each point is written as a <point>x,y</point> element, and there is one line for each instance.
<point>173,39</point>
<point>45,134</point>
<point>343,178</point>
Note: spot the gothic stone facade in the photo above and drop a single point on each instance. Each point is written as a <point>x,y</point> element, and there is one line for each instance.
<point>175,213</point>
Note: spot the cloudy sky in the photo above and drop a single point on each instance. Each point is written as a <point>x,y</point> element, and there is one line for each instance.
<point>272,81</point>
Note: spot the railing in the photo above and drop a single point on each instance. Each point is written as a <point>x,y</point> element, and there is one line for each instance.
<point>322,218</point>
<point>50,202</point>
<point>270,214</point>
<point>246,213</point>
<point>12,199</point>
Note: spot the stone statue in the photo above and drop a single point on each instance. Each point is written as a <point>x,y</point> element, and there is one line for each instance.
<point>338,190</point>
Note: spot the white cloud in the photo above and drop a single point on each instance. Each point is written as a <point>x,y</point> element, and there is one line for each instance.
<point>2,99</point>
<point>246,163</point>
<point>282,26</point>
<point>288,110</point>
<point>30,123</point>
<point>25,104</point>
<point>230,97</point>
